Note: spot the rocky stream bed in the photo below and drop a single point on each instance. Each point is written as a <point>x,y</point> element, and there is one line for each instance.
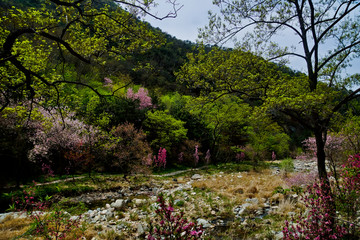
<point>129,209</point>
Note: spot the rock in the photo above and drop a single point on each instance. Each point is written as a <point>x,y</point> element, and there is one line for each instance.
<point>109,214</point>
<point>180,179</point>
<point>203,222</point>
<point>291,214</point>
<point>252,200</point>
<point>107,206</point>
<point>259,212</point>
<point>241,209</point>
<point>141,229</point>
<point>120,203</point>
<point>139,202</point>
<point>103,212</point>
<point>74,218</point>
<point>279,236</point>
<point>213,212</point>
<point>196,177</point>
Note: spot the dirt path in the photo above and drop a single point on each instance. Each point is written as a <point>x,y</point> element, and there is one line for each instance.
<point>178,172</point>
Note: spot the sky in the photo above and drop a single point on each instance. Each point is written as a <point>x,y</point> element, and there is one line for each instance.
<point>194,15</point>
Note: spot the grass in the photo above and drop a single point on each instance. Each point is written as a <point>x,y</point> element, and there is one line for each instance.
<point>242,185</point>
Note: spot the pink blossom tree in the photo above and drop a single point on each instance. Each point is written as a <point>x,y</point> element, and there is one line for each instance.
<point>142,96</point>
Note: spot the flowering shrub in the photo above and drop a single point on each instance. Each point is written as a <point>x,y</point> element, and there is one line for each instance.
<point>325,201</point>
<point>160,160</point>
<point>320,222</point>
<point>196,155</point>
<point>349,193</point>
<point>273,156</point>
<point>58,136</point>
<point>55,224</point>
<point>207,157</point>
<point>189,153</point>
<point>141,96</point>
<point>172,226</point>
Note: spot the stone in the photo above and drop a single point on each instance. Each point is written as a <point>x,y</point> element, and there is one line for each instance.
<point>120,203</point>
<point>291,214</point>
<point>109,214</point>
<point>74,218</point>
<point>243,208</point>
<point>107,206</point>
<point>141,229</point>
<point>252,200</point>
<point>203,222</point>
<point>196,177</point>
<point>103,212</point>
<point>279,236</point>
<point>139,202</point>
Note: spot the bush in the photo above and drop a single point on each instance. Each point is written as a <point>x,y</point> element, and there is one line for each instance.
<point>126,149</point>
<point>332,209</point>
<point>171,226</point>
<point>164,131</point>
<point>287,165</point>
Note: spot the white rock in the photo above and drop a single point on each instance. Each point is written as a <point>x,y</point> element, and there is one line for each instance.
<point>139,202</point>
<point>196,177</point>
<point>203,222</point>
<point>120,203</point>
<point>107,206</point>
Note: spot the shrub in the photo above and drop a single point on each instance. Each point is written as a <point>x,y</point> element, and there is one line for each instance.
<point>141,96</point>
<point>287,165</point>
<point>163,130</point>
<point>324,201</point>
<point>126,149</point>
<point>320,222</point>
<point>172,226</point>
<point>46,223</point>
<point>190,154</point>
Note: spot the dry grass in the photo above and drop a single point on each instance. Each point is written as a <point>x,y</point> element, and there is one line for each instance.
<point>239,186</point>
<point>11,228</point>
<point>286,206</point>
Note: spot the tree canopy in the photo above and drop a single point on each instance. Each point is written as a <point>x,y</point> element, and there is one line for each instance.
<point>37,42</point>
<point>311,100</point>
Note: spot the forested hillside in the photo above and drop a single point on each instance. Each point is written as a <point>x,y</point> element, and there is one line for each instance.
<point>67,77</point>
<point>88,88</point>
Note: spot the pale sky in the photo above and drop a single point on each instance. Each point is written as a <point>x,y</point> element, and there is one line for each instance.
<point>192,16</point>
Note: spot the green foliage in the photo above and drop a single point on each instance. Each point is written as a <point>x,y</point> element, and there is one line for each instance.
<point>37,42</point>
<point>221,72</point>
<point>163,130</point>
<point>287,165</point>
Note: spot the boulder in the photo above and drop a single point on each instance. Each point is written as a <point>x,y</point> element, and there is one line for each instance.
<point>120,203</point>
<point>203,222</point>
<point>196,177</point>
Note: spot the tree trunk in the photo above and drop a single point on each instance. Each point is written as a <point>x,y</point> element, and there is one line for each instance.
<point>320,153</point>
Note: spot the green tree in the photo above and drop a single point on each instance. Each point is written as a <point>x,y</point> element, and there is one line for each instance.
<point>226,119</point>
<point>36,42</point>
<point>317,24</point>
<point>163,130</point>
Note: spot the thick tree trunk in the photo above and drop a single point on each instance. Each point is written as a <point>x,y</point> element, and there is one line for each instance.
<point>320,153</point>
